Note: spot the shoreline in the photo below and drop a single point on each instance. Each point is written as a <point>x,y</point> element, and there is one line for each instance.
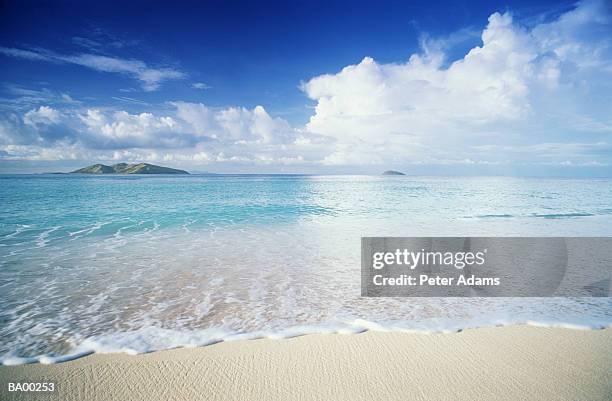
<point>494,363</point>
<point>359,326</point>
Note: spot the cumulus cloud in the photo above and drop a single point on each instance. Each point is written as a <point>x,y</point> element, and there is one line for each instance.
<point>44,116</point>
<point>235,124</point>
<point>197,115</point>
<point>149,77</point>
<point>124,130</point>
<point>255,125</point>
<point>518,82</point>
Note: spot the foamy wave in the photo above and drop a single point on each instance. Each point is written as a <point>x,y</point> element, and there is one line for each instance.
<point>86,231</point>
<point>150,339</point>
<point>20,228</point>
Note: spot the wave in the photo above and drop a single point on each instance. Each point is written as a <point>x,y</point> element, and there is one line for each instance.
<point>562,215</point>
<point>493,216</point>
<point>538,215</point>
<point>43,238</point>
<point>151,338</point>
<point>20,228</point>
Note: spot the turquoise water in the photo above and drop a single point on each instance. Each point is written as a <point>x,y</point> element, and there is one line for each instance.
<point>138,263</point>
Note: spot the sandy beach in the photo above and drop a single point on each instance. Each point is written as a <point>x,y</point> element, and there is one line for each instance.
<point>500,363</point>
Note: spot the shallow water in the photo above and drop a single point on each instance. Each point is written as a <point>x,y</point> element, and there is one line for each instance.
<point>140,263</point>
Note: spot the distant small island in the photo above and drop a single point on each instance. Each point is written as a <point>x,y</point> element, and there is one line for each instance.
<point>125,168</point>
<point>393,172</point>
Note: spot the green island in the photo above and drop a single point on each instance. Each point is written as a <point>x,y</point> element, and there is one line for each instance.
<point>125,168</point>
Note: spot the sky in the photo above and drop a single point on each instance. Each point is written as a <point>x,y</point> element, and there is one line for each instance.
<point>429,88</point>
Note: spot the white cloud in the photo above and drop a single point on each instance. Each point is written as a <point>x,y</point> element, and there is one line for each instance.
<point>19,98</point>
<point>149,77</point>
<point>254,125</point>
<point>197,115</point>
<point>124,130</point>
<point>518,81</point>
<point>45,115</point>
<point>235,124</point>
<point>200,85</point>
<point>369,99</point>
<point>25,54</point>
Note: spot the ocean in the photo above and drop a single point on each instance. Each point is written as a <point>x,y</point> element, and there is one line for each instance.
<point>142,263</point>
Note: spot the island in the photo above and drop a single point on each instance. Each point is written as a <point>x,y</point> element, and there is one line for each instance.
<point>393,172</point>
<point>125,168</point>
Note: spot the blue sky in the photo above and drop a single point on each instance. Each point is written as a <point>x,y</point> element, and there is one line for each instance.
<point>442,87</point>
